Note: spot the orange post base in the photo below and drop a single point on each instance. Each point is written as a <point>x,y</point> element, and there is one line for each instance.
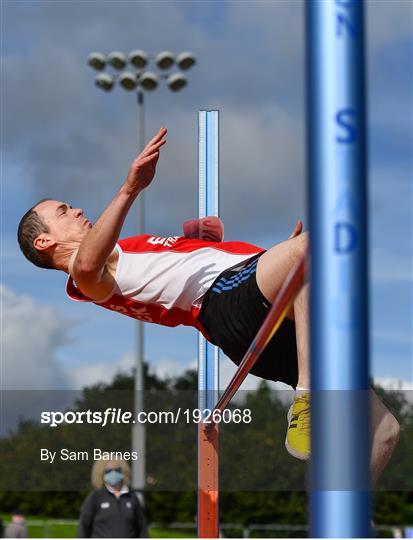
<point>208,488</point>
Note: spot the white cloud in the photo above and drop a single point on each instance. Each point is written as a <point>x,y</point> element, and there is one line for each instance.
<point>390,383</point>
<point>394,336</point>
<point>69,140</point>
<point>253,61</point>
<point>166,368</point>
<point>31,334</point>
<point>99,372</point>
<point>252,177</point>
<point>393,271</point>
<point>251,383</point>
<point>388,21</point>
<point>95,372</point>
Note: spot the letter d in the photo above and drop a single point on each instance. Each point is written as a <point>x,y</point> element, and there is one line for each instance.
<point>345,238</point>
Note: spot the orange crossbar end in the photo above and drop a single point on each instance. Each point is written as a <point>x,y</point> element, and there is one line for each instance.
<point>208,488</point>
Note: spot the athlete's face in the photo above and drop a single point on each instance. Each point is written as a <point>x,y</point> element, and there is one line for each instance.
<point>65,224</point>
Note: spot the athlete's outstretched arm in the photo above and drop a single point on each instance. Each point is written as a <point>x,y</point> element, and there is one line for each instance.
<point>102,237</point>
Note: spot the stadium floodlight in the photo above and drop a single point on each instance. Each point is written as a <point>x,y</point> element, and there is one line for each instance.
<point>97,61</point>
<point>138,58</point>
<point>148,80</point>
<point>104,81</point>
<point>185,60</point>
<point>128,80</point>
<point>117,60</point>
<point>176,82</point>
<point>165,59</point>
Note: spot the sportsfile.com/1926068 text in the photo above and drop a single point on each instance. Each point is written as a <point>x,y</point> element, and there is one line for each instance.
<point>113,415</point>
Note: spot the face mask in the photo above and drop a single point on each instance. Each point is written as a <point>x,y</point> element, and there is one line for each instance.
<point>113,478</point>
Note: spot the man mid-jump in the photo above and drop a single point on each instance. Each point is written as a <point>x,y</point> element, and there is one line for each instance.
<point>224,289</point>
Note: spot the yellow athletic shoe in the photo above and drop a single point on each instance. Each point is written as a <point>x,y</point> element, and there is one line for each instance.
<point>297,441</point>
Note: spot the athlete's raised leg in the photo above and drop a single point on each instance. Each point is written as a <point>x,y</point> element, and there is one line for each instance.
<point>272,270</point>
<point>385,430</point>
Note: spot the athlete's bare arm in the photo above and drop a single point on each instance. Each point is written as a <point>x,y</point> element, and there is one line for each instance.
<point>95,249</point>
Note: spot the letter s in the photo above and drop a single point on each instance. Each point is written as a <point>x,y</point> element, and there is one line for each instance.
<point>45,417</point>
<point>346,119</point>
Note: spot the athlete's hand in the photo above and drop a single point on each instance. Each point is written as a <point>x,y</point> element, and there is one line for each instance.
<point>208,228</point>
<point>297,230</point>
<point>142,170</point>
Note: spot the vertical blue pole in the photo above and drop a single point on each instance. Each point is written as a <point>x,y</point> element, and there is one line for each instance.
<point>340,497</point>
<point>208,354</point>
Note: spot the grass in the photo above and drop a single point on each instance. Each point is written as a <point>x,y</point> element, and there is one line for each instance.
<point>172,533</point>
<point>44,527</point>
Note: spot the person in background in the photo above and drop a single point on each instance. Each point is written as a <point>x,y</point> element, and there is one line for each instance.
<point>17,528</point>
<point>112,510</point>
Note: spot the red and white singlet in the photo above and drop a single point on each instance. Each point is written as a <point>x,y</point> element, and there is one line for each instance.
<point>163,279</point>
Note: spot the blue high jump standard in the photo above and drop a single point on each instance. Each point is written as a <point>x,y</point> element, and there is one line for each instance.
<point>336,143</point>
<point>208,354</point>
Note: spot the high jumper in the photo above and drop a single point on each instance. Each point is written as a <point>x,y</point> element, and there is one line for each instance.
<point>223,289</point>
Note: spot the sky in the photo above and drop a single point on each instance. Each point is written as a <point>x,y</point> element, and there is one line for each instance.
<point>64,138</point>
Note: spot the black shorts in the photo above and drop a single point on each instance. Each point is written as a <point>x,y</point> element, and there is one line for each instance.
<point>233,311</point>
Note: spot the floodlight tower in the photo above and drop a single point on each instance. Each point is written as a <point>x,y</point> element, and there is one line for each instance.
<point>131,73</point>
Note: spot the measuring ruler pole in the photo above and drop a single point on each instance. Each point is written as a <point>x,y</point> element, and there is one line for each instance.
<point>208,354</point>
